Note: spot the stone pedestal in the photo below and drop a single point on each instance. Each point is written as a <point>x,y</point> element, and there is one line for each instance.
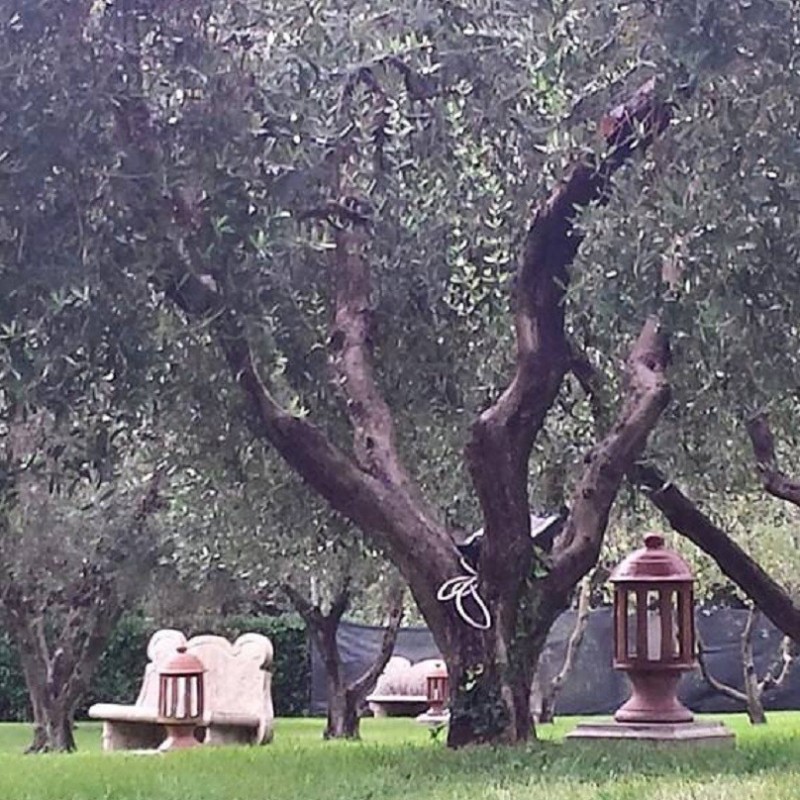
<point>654,698</point>
<point>670,733</point>
<point>434,720</point>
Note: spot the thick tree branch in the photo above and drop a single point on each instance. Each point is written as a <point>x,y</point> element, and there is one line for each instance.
<point>329,471</point>
<point>371,502</point>
<point>591,382</point>
<point>688,520</point>
<point>774,481</point>
<point>504,434</point>
<point>576,549</point>
<point>351,359</point>
<point>361,686</point>
<point>310,613</point>
<point>419,546</point>
<point>341,602</point>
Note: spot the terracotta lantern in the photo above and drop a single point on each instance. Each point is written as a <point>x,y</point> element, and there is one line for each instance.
<point>438,690</point>
<point>180,699</point>
<point>653,631</point>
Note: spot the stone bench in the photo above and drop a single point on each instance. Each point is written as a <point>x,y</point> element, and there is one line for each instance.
<point>401,689</point>
<point>238,696</point>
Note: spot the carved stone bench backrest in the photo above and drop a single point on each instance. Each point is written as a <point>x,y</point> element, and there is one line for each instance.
<point>401,677</point>
<point>236,679</point>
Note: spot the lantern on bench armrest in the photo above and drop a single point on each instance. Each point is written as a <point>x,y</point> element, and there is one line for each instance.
<point>438,690</point>
<point>181,699</point>
<point>653,631</point>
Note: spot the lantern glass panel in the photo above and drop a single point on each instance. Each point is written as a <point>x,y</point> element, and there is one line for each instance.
<point>621,623</point>
<point>652,624</point>
<point>662,620</point>
<point>638,624</point>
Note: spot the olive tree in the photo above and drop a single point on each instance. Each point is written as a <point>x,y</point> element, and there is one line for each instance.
<point>75,377</point>
<point>299,168</point>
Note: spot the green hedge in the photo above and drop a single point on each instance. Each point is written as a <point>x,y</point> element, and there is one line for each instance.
<point>13,695</point>
<point>120,671</point>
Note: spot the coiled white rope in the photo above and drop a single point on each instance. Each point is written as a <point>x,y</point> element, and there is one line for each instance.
<point>464,586</point>
<point>461,587</point>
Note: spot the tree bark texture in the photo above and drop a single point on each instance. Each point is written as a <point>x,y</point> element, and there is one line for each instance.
<point>774,481</point>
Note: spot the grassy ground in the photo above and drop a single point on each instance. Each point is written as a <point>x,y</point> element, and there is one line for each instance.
<point>398,760</point>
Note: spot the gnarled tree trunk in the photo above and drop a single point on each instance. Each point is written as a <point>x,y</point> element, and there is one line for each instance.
<point>59,655</point>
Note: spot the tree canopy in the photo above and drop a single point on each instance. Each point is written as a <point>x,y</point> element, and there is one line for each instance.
<point>380,233</point>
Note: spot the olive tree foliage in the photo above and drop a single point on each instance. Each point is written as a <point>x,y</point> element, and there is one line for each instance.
<point>713,243</point>
<point>70,565</point>
<point>240,517</point>
<point>75,507</point>
<point>337,197</point>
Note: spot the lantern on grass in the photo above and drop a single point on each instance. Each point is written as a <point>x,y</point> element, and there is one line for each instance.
<point>653,631</point>
<point>438,690</point>
<point>181,699</point>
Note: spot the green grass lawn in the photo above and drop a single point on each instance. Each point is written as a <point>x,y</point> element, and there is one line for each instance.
<point>397,759</point>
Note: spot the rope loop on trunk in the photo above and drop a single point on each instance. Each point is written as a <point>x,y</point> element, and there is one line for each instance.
<point>462,587</point>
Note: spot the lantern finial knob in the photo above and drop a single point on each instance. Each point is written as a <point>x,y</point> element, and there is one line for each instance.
<point>654,541</point>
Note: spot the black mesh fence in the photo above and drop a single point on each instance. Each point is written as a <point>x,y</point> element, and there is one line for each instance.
<point>593,686</point>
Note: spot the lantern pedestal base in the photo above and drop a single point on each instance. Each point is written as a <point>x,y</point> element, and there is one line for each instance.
<point>179,737</point>
<point>433,718</point>
<point>654,698</point>
<point>671,733</point>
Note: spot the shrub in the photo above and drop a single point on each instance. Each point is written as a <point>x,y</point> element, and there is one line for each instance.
<point>13,694</point>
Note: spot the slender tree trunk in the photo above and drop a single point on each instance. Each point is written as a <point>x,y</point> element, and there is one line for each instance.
<point>550,694</point>
<point>753,687</point>
<point>52,711</point>
<point>346,699</point>
<point>343,720</point>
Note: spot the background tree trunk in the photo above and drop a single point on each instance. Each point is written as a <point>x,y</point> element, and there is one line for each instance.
<point>754,687</point>
<point>549,694</point>
<point>346,700</point>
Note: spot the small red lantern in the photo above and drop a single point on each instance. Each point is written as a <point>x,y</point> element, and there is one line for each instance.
<point>653,631</point>
<point>438,690</point>
<point>180,699</point>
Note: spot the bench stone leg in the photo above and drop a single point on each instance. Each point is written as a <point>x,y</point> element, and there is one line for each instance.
<point>131,735</point>
<point>218,735</point>
<point>378,710</point>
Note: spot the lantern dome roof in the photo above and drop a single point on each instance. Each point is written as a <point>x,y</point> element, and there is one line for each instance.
<point>183,664</point>
<point>652,563</point>
<point>437,670</point>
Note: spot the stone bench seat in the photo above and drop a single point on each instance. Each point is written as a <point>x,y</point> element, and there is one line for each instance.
<point>238,698</point>
<point>396,705</point>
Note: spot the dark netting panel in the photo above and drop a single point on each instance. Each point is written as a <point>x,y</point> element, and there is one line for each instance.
<point>593,686</point>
